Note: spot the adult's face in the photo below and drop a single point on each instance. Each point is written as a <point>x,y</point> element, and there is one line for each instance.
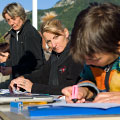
<point>56,42</point>
<point>16,23</point>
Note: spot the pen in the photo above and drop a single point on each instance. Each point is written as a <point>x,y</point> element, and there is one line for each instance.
<point>74,93</point>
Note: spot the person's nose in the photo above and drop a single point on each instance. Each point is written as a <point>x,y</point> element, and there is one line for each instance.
<point>53,44</point>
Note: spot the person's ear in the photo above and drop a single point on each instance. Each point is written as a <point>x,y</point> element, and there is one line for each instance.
<point>66,32</point>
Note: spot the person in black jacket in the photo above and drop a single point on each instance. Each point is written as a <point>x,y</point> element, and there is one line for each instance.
<point>26,54</point>
<point>60,70</point>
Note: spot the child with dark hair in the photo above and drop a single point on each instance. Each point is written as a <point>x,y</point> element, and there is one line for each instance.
<point>4,51</point>
<point>96,40</point>
<point>4,54</point>
<point>4,47</point>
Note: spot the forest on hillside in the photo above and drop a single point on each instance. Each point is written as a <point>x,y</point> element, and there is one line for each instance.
<point>66,14</point>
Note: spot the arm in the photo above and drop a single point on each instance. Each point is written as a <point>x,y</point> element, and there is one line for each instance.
<point>83,94</point>
<point>87,87</point>
<point>20,82</point>
<point>70,76</point>
<point>107,97</point>
<point>40,75</point>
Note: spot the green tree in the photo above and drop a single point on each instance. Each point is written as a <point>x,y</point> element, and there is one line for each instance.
<point>1,38</point>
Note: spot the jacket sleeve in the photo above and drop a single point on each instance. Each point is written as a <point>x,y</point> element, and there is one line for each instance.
<point>71,77</point>
<point>87,80</point>
<point>40,75</point>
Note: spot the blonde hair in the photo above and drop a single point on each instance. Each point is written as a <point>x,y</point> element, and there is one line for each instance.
<point>14,10</point>
<point>50,24</point>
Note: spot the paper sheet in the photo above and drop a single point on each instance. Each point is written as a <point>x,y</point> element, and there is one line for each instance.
<point>62,102</point>
<point>4,91</point>
<point>91,105</point>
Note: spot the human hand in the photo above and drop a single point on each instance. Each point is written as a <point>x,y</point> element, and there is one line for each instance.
<point>6,70</point>
<point>107,97</point>
<point>82,93</point>
<point>20,82</point>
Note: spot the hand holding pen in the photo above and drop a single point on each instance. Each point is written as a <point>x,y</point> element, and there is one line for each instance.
<point>79,94</point>
<point>74,93</point>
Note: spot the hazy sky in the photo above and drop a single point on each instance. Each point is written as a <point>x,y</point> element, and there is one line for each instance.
<point>27,4</point>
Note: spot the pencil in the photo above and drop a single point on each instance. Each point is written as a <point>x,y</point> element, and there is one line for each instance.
<point>35,103</point>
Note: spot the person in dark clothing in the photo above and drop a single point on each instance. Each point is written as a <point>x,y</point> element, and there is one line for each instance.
<point>60,70</point>
<point>26,54</point>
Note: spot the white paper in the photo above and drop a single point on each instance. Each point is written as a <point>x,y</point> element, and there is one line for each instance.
<point>4,91</point>
<point>62,102</point>
<point>90,105</point>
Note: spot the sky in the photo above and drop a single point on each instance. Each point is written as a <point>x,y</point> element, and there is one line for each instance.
<point>27,4</point>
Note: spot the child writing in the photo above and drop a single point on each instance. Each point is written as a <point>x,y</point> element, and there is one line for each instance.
<point>96,41</point>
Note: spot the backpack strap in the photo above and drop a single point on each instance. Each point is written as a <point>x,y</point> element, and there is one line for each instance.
<point>108,70</point>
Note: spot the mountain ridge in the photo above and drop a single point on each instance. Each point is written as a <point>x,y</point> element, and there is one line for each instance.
<point>67,11</point>
<point>64,3</point>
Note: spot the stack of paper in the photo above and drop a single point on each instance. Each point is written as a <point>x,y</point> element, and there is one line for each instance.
<point>78,109</point>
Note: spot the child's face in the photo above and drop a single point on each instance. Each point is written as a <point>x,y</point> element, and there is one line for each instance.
<point>3,56</point>
<point>100,59</point>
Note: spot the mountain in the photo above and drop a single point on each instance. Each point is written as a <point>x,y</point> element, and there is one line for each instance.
<point>67,10</point>
<point>64,3</point>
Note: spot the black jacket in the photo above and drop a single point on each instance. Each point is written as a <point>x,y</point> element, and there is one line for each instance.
<point>26,53</point>
<point>68,73</point>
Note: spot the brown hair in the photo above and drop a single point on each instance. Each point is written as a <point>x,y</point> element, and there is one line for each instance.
<point>15,10</point>
<point>4,47</point>
<point>96,29</point>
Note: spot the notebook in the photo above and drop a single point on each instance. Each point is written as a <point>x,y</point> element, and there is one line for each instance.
<point>7,98</point>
